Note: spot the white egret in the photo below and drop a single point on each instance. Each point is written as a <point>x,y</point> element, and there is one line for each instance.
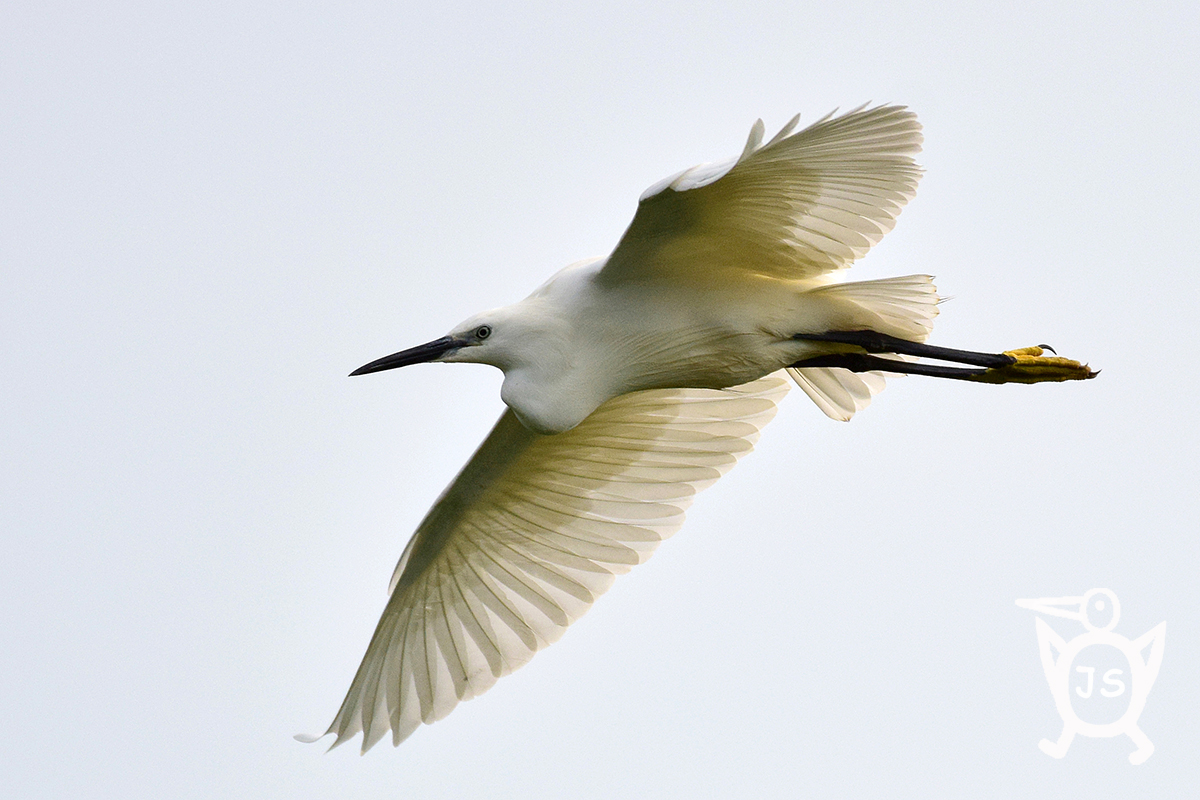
<point>634,381</point>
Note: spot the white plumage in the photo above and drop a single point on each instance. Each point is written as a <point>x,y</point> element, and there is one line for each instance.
<point>632,383</point>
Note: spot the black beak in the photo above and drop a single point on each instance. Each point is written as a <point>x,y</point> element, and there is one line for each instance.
<point>413,355</point>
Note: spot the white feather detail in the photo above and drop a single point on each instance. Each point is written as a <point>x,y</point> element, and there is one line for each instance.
<point>904,306</point>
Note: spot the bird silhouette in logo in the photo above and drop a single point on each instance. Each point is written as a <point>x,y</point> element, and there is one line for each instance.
<point>1088,708</point>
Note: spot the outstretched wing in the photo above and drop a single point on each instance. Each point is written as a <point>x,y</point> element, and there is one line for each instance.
<point>529,534</point>
<point>801,205</point>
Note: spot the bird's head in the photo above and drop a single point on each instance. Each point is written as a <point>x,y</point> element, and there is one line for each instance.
<point>479,339</point>
<point>512,337</point>
<point>538,352</point>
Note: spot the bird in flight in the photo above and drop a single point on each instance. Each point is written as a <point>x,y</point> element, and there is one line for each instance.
<point>634,381</point>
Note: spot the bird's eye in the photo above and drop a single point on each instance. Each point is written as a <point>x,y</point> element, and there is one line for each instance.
<point>483,331</point>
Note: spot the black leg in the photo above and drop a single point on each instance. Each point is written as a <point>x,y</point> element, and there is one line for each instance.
<point>875,342</point>
<point>861,362</point>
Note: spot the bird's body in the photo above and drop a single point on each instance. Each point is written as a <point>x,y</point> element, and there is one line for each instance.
<point>578,341</point>
<point>636,380</point>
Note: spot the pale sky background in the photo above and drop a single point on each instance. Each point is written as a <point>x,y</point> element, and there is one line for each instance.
<point>211,213</point>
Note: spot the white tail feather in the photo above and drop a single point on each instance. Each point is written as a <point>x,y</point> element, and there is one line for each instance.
<point>838,392</point>
<point>904,307</point>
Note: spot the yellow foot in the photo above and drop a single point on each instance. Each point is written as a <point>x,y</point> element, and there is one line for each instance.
<point>1030,366</point>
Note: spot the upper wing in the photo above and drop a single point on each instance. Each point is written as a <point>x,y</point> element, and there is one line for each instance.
<point>801,205</point>
<point>529,534</point>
